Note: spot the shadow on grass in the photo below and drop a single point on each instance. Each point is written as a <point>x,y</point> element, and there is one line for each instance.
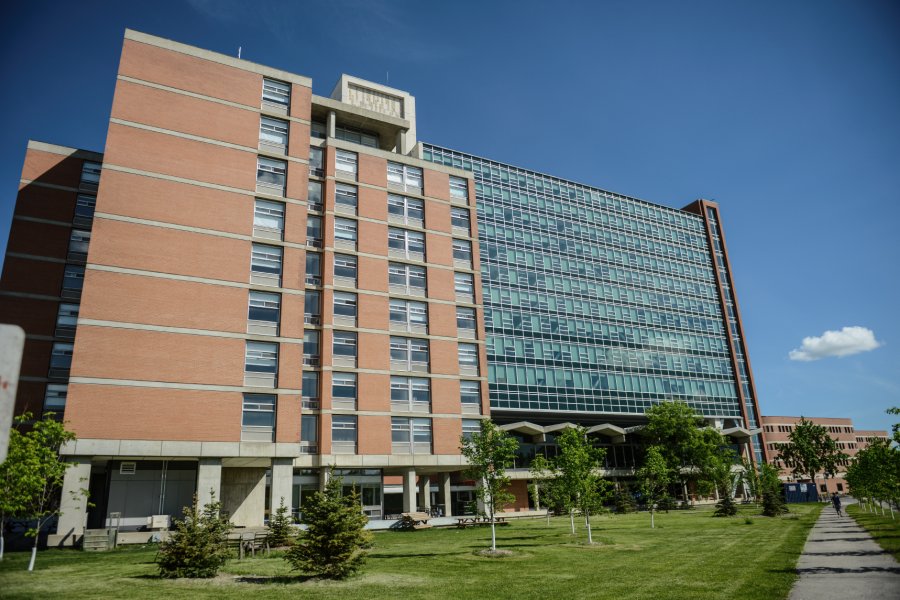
<point>279,580</point>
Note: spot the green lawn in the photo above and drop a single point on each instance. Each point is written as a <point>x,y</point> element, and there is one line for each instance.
<point>689,555</point>
<point>885,530</point>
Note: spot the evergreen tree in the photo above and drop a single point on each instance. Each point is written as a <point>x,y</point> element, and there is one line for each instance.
<point>772,491</point>
<point>721,474</point>
<point>281,531</point>
<point>334,542</point>
<point>199,545</point>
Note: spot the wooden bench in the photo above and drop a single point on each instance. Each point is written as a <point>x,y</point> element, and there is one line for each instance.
<point>248,541</point>
<point>415,520</point>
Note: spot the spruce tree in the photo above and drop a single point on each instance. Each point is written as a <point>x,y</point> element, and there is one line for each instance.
<point>334,542</point>
<point>281,532</point>
<point>199,545</point>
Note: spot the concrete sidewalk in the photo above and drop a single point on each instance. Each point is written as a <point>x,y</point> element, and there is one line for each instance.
<point>841,561</point>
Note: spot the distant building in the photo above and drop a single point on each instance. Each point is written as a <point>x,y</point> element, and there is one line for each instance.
<point>776,431</point>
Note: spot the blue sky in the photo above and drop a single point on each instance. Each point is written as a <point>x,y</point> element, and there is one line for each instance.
<point>786,113</point>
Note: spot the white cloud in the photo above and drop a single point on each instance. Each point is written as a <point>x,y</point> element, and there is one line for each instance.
<point>847,341</point>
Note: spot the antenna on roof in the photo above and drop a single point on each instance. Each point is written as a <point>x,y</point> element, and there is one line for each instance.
<point>387,76</point>
<point>239,51</point>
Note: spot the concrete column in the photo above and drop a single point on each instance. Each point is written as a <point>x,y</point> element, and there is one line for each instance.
<point>537,496</point>
<point>282,485</point>
<point>446,497</point>
<point>244,495</point>
<point>332,123</point>
<point>73,505</point>
<point>425,492</point>
<point>409,490</point>
<point>209,480</point>
<point>324,478</point>
<point>479,504</point>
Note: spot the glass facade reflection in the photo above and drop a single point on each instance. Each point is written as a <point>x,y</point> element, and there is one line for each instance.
<point>595,302</point>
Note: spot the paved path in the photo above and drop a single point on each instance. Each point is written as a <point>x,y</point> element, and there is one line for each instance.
<point>841,561</point>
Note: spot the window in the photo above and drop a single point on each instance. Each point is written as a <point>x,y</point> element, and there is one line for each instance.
<point>410,435</point>
<point>318,130</point>
<point>273,133</point>
<point>404,177</point>
<point>313,268</point>
<point>265,264</point>
<point>316,162</point>
<point>409,354</point>
<point>345,309</point>
<point>84,210</point>
<point>90,176</point>
<point>309,433</point>
<point>459,218</point>
<point>406,244</point>
<point>343,434</point>
<point>406,210</point>
<point>470,396</point>
<point>409,315</point>
<point>406,279</point>
<point>459,188</point>
<point>73,281</point>
<point>314,195</point>
<point>258,423</point>
<point>343,390</point>
<point>314,231</point>
<point>470,427</point>
<point>260,364</point>
<point>276,92</point>
<point>464,285</point>
<point>345,234</point>
<point>468,359</point>
<point>345,198</point>
<point>344,349</point>
<point>345,163</point>
<point>55,398</point>
<point>410,394</point>
<point>309,387</point>
<point>268,219</point>
<point>345,270</point>
<point>462,253</point>
<point>263,313</point>
<point>356,136</point>
<point>66,319</point>
<point>311,347</point>
<point>465,321</point>
<point>78,245</point>
<point>312,307</point>
<point>60,360</point>
<point>270,175</point>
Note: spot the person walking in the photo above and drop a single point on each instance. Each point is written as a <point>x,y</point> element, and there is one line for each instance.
<point>836,502</point>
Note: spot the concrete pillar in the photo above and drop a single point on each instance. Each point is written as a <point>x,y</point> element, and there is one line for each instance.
<point>537,496</point>
<point>425,492</point>
<point>446,497</point>
<point>409,490</point>
<point>479,503</point>
<point>282,485</point>
<point>209,480</point>
<point>73,505</point>
<point>332,123</point>
<point>324,478</point>
<point>244,495</point>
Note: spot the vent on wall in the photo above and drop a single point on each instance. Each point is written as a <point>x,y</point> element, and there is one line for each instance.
<point>127,468</point>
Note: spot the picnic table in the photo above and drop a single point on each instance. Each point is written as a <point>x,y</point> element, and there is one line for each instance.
<point>415,520</point>
<point>463,522</point>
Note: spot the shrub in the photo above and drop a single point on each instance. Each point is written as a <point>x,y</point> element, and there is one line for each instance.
<point>333,545</point>
<point>199,545</point>
<point>726,507</point>
<point>624,501</point>
<point>281,531</point>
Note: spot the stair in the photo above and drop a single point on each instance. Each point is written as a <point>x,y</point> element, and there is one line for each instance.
<point>97,540</point>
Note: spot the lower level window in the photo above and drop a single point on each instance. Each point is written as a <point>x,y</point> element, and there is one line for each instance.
<point>258,424</point>
<point>470,427</point>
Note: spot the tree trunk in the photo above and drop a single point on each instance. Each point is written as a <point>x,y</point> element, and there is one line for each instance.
<point>493,535</point>
<point>2,542</point>
<point>652,524</point>
<point>548,516</point>
<point>34,549</point>
<point>587,519</point>
<point>572,519</point>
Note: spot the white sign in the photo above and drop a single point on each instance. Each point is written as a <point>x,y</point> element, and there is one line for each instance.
<point>12,340</point>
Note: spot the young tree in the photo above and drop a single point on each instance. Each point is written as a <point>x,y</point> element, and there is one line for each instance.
<point>547,487</point>
<point>772,491</point>
<point>751,479</point>
<point>40,485</point>
<point>810,451</point>
<point>14,475</point>
<point>895,428</point>
<point>722,476</point>
<point>490,452</point>
<point>654,479</point>
<point>875,473</point>
<point>199,545</point>
<point>281,531</point>
<point>334,542</point>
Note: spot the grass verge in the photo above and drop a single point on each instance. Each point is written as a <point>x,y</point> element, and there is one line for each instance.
<point>690,554</point>
<point>884,530</point>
